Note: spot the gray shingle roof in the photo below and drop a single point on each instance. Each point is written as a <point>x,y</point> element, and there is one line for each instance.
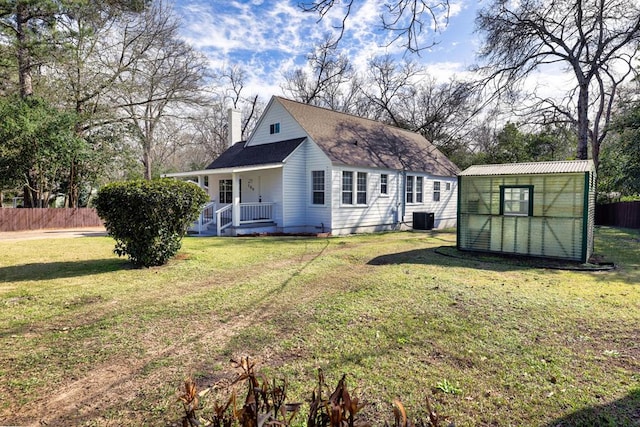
<point>354,141</point>
<point>238,155</point>
<point>532,168</point>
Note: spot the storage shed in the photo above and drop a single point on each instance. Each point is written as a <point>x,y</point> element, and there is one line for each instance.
<point>543,209</point>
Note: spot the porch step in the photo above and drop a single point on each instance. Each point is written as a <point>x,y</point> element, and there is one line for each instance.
<point>207,232</point>
<point>248,229</point>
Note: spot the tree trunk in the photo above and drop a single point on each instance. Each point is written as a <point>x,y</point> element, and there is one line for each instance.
<point>583,122</point>
<point>146,161</point>
<point>23,57</point>
<point>30,195</point>
<point>72,192</point>
<point>595,151</point>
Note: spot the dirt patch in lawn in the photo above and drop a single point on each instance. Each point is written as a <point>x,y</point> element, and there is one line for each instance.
<point>118,381</point>
<point>108,390</point>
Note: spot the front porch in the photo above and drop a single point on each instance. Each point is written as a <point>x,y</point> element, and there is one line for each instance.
<point>238,197</point>
<point>246,218</point>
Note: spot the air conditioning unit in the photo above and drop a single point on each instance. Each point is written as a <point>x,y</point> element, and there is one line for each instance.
<point>423,220</point>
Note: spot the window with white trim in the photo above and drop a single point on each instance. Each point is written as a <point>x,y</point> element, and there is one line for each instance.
<point>409,189</point>
<point>447,186</point>
<point>436,191</point>
<point>384,184</point>
<point>361,188</point>
<point>414,189</point>
<point>347,188</point>
<point>351,187</point>
<point>226,191</point>
<point>317,184</point>
<point>516,200</point>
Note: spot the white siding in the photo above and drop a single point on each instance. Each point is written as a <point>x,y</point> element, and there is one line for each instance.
<point>275,113</point>
<point>380,212</point>
<point>293,189</point>
<point>317,217</point>
<point>445,210</point>
<point>300,215</point>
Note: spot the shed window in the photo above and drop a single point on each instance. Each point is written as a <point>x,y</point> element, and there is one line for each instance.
<point>317,178</point>
<point>516,200</point>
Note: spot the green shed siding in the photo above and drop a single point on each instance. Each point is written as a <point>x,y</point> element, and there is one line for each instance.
<point>590,199</point>
<point>555,228</point>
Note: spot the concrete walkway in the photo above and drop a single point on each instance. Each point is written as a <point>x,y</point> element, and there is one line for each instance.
<point>52,234</point>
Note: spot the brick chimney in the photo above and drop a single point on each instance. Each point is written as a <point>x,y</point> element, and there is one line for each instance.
<point>234,126</point>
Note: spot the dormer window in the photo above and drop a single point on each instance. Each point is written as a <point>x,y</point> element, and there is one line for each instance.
<point>274,128</point>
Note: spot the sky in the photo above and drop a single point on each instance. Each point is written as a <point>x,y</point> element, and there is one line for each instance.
<point>270,37</point>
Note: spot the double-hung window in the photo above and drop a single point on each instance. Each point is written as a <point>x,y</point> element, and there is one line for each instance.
<point>384,184</point>
<point>516,200</point>
<point>317,184</point>
<point>409,189</point>
<point>361,189</point>
<point>226,192</point>
<point>347,188</point>
<point>414,189</point>
<point>436,191</point>
<point>351,187</point>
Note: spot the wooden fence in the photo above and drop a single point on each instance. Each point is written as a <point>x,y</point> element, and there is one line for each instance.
<point>620,214</point>
<point>19,219</point>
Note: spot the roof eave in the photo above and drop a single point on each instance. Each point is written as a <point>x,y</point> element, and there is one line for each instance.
<point>224,171</point>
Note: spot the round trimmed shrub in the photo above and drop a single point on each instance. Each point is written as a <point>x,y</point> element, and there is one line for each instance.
<point>148,219</point>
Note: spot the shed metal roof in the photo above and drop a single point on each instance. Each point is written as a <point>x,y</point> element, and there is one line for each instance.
<point>532,168</point>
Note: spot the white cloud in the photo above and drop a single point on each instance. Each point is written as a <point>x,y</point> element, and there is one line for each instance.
<point>270,38</point>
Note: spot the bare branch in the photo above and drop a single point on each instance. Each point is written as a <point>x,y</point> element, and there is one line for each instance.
<point>406,19</point>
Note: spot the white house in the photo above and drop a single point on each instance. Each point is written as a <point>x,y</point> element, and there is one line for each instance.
<point>307,169</point>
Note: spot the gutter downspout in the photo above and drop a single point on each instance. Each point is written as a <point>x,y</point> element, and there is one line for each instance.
<point>403,199</point>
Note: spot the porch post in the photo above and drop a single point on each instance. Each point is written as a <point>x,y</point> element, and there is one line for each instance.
<point>236,198</point>
<point>200,181</point>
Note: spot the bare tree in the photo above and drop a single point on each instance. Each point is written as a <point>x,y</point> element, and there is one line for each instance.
<point>407,19</point>
<point>389,88</point>
<point>329,83</point>
<point>163,82</point>
<point>444,113</point>
<point>232,82</point>
<point>595,40</point>
<point>102,42</point>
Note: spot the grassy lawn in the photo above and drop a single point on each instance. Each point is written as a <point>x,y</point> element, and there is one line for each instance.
<point>87,340</point>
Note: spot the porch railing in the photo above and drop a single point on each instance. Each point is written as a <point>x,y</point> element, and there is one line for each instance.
<point>207,216</point>
<point>250,213</point>
<point>256,212</point>
<point>224,218</point>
